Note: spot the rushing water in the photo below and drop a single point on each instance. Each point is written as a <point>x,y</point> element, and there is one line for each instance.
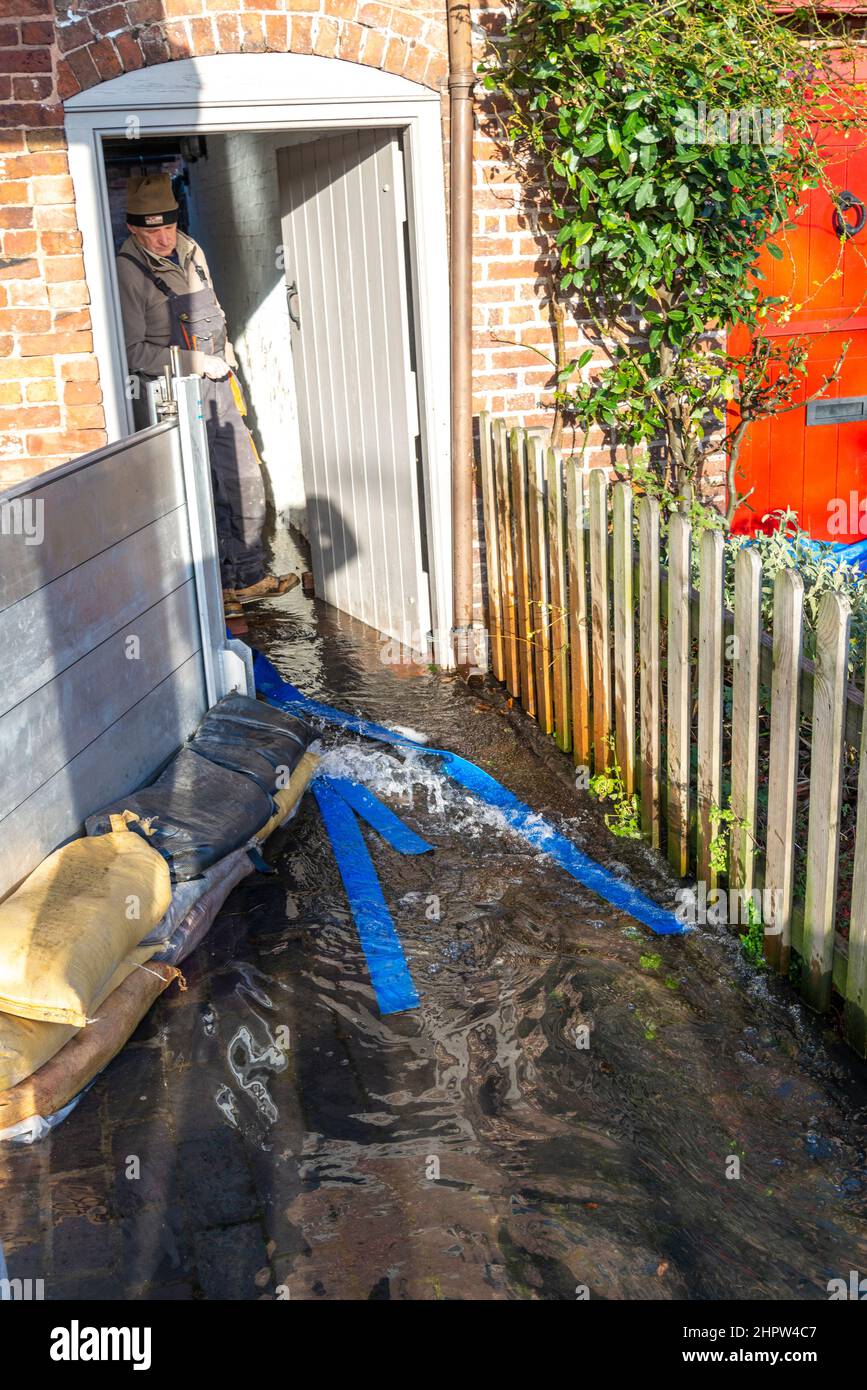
<point>567,1108</point>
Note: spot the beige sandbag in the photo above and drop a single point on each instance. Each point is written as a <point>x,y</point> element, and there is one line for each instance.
<point>69,926</point>
<point>91,1049</point>
<point>26,1044</point>
<point>287,797</point>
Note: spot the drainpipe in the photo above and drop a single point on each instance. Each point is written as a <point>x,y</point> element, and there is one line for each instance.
<point>460,273</point>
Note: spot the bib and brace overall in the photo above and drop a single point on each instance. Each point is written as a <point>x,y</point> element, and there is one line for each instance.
<point>239,493</point>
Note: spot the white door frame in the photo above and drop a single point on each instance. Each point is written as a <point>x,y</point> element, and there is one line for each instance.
<point>282,91</point>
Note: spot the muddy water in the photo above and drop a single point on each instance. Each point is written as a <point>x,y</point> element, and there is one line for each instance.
<point>566,1110</point>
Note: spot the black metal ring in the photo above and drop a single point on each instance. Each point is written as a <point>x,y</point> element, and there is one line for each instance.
<point>845,201</point>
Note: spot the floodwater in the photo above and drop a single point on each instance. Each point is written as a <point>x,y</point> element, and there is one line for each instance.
<point>576,1108</point>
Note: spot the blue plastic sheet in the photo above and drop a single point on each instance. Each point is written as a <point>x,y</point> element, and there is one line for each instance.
<point>520,817</point>
<point>389,973</point>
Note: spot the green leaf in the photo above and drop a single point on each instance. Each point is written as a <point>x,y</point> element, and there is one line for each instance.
<point>681,197</point>
<point>645,194</point>
<point>613,136</point>
<point>774,250</point>
<point>647,135</point>
<point>594,144</point>
<point>635,99</point>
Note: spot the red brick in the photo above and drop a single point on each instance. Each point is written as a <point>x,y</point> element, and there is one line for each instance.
<point>85,417</point>
<point>25,60</point>
<point>40,140</point>
<point>326,38</point>
<point>25,166</point>
<point>37,31</point>
<point>177,39</point>
<point>82,392</point>
<point>377,16</point>
<point>107,62</point>
<point>60,243</point>
<point>21,9</point>
<point>109,20</point>
<point>52,188</point>
<point>341,9</point>
<point>349,44</point>
<point>144,11</point>
<point>374,48</point>
<point>10,393</point>
<point>202,35</point>
<point>228,33</point>
<point>29,417</point>
<point>41,390</point>
<point>62,268</point>
<point>13,192</point>
<point>13,368</point>
<point>153,45</point>
<point>72,320</point>
<point>252,34</point>
<point>32,88</point>
<point>301,40</point>
<point>276,33</point>
<point>9,35</point>
<point>19,244</point>
<point>129,52</point>
<point>74,35</point>
<point>40,343</point>
<point>67,82</point>
<point>85,370</point>
<point>84,68</point>
<point>25,320</point>
<point>55,217</point>
<point>19,269</point>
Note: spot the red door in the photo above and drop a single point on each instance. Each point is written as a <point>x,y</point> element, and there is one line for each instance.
<point>790,461</point>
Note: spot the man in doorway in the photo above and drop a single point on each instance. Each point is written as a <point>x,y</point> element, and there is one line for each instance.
<point>168,300</point>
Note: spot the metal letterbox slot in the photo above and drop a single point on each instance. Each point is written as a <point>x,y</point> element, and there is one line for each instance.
<point>838,412</point>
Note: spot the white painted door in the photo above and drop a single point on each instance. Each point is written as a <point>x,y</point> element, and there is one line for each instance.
<point>343,215</point>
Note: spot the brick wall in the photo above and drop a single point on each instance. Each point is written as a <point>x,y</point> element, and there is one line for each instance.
<point>50,399</point>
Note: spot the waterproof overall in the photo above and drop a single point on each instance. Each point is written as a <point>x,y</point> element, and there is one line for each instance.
<point>198,322</point>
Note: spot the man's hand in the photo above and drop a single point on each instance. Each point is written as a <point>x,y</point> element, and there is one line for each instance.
<point>215,368</point>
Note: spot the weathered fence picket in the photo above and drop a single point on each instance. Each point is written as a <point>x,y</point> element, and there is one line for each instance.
<point>579,655</point>
<point>783,769</point>
<point>540,583</point>
<point>600,636</point>
<point>679,552</point>
<point>624,637</point>
<point>746,655</point>
<point>492,556</point>
<point>557,544</point>
<point>649,667</point>
<point>826,786</point>
<point>567,585</point>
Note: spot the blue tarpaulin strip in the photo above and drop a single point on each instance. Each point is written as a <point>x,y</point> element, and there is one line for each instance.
<point>389,974</point>
<point>526,822</point>
<point>377,815</point>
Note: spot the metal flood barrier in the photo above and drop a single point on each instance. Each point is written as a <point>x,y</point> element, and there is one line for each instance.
<point>111,629</point>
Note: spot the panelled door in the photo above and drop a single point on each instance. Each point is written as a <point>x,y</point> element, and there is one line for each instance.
<point>806,458</point>
<point>343,216</point>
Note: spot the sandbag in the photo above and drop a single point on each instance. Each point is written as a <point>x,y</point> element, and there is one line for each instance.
<point>89,1051</point>
<point>67,928</point>
<point>218,883</point>
<point>219,789</point>
<point>194,813</point>
<point>215,885</point>
<point>234,735</point>
<point>26,1044</point>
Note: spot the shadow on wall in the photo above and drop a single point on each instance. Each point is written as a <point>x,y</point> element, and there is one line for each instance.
<point>330,536</point>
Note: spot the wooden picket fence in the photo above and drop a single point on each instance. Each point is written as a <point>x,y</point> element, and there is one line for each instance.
<point>570,590</point>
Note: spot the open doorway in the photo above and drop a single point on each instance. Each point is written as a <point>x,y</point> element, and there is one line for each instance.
<point>333,280</point>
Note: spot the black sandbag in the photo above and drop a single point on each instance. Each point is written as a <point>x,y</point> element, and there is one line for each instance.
<point>198,812</point>
<point>235,736</point>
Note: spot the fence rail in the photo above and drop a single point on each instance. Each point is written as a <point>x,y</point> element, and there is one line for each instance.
<point>708,720</point>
